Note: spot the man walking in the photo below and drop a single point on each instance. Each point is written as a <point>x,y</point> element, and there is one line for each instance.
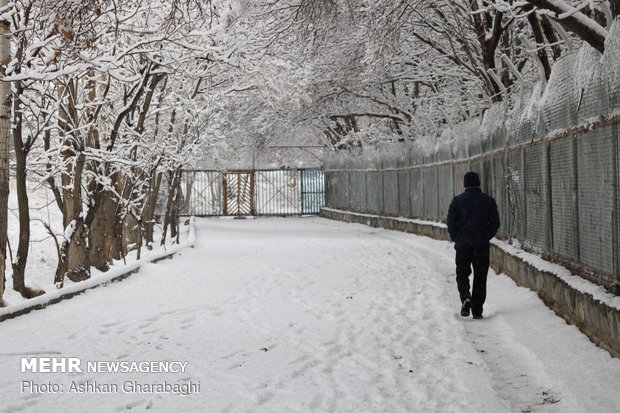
<point>472,221</point>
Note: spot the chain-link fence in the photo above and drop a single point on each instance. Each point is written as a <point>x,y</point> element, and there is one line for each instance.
<point>552,165</point>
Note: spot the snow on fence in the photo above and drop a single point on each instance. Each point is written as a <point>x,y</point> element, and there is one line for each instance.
<point>551,163</point>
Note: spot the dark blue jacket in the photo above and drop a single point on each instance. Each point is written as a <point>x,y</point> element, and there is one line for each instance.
<point>472,219</point>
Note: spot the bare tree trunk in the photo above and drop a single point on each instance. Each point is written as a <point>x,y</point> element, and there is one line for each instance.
<point>174,178</point>
<point>615,8</point>
<point>21,154</point>
<point>102,233</point>
<point>5,120</point>
<point>537,30</point>
<point>488,43</point>
<point>148,215</point>
<point>131,233</point>
<point>123,189</point>
<point>552,37</point>
<point>74,261</point>
<point>19,263</point>
<point>130,223</point>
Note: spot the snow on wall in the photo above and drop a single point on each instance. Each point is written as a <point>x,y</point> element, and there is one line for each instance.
<point>551,162</point>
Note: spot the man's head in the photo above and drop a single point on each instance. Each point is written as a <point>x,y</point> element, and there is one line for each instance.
<point>471,180</point>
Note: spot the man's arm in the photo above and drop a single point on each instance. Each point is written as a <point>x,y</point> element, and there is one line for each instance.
<point>453,220</point>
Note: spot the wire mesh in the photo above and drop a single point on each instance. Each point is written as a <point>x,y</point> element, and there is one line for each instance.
<point>404,200</point>
<point>374,193</point>
<point>445,189</point>
<point>594,96</point>
<point>514,220</point>
<point>564,198</point>
<point>596,201</point>
<point>559,109</point>
<point>535,197</point>
<point>612,71</point>
<point>416,191</point>
<point>391,202</point>
<point>430,192</point>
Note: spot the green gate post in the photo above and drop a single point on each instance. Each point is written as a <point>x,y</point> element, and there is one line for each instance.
<point>301,177</point>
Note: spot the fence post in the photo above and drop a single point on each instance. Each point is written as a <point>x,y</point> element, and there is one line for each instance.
<point>366,173</point>
<point>301,185</point>
<point>225,192</point>
<point>409,162</point>
<point>452,185</point>
<point>614,217</point>
<point>522,177</point>
<point>437,196</point>
<point>575,197</point>
<point>397,174</point>
<point>252,193</point>
<point>382,172</point>
<point>423,177</point>
<point>546,164</point>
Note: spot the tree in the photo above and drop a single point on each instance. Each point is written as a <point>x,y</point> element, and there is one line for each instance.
<point>392,71</point>
<point>571,18</point>
<point>27,129</point>
<point>5,136</point>
<point>102,88</point>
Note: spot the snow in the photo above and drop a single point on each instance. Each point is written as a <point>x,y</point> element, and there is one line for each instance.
<point>42,256</point>
<point>70,230</point>
<point>286,314</point>
<point>577,9</point>
<point>513,248</point>
<point>567,11</point>
<point>99,278</point>
<point>580,284</point>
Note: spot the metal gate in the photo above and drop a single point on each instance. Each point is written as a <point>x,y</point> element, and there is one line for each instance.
<point>278,192</point>
<point>252,192</point>
<point>202,193</point>
<point>239,193</point>
<point>312,191</point>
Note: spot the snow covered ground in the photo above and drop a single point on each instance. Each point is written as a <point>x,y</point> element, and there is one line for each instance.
<point>43,257</point>
<point>280,315</point>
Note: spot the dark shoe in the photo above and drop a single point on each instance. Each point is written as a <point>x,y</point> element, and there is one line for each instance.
<point>478,317</point>
<point>466,307</point>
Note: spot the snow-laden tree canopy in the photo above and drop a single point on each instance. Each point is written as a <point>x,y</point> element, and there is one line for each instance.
<point>388,70</point>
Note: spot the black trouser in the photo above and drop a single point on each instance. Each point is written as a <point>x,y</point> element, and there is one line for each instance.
<point>478,257</point>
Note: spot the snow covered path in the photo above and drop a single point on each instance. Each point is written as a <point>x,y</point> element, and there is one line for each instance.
<point>279,315</point>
